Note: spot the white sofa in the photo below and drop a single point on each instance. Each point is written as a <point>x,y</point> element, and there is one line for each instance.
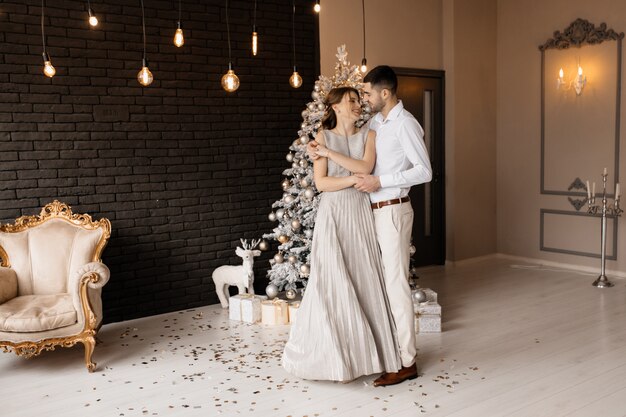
<point>51,277</point>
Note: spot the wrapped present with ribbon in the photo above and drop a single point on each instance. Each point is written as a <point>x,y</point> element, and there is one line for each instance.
<point>274,312</point>
<point>245,307</point>
<point>293,310</point>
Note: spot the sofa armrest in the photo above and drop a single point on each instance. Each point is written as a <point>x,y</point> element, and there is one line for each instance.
<point>8,284</point>
<point>102,276</point>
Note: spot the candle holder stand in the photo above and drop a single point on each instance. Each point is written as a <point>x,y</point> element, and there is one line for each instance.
<point>605,209</point>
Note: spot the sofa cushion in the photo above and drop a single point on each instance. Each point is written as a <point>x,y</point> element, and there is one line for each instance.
<point>35,313</point>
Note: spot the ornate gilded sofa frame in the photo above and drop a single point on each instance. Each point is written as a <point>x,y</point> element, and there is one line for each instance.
<point>75,298</point>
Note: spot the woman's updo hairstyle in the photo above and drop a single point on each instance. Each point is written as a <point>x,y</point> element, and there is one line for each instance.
<point>334,96</point>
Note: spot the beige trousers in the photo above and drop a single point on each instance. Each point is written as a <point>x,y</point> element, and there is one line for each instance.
<point>393,229</point>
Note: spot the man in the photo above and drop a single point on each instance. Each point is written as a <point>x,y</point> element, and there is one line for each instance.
<point>401,162</point>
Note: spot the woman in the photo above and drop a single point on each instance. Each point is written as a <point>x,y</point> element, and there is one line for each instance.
<point>344,327</point>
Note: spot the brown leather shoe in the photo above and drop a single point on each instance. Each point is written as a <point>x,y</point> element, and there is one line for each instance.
<point>393,378</point>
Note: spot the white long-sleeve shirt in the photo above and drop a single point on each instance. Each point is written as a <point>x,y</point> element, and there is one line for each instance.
<point>401,157</point>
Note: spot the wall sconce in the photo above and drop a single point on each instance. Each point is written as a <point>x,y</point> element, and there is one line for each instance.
<point>578,83</point>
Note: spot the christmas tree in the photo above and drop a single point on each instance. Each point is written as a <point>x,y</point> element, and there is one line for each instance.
<point>295,212</point>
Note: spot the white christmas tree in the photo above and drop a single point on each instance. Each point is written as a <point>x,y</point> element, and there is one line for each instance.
<point>297,209</point>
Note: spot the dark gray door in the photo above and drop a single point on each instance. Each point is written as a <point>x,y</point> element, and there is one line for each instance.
<point>422,93</point>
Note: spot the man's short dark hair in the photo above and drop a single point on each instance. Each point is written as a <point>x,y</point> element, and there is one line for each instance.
<point>382,77</point>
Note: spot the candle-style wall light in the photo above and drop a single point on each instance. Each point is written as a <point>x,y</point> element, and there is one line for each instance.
<point>578,83</point>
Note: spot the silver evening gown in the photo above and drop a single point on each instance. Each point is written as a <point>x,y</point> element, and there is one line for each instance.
<point>344,328</point>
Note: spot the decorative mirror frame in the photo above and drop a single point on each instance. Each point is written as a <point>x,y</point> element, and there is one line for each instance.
<point>578,33</point>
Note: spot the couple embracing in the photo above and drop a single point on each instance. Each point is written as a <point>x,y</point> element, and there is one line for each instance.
<point>356,317</point>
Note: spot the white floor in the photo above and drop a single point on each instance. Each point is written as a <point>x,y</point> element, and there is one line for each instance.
<point>517,341</point>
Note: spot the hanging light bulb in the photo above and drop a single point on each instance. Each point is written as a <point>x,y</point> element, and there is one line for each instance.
<point>179,39</point>
<point>93,20</point>
<point>230,81</point>
<point>255,43</point>
<point>48,68</point>
<point>144,76</point>
<point>295,80</point>
<point>255,35</point>
<point>317,6</point>
<point>364,66</point>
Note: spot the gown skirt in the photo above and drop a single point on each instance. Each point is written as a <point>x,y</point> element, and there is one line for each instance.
<point>344,328</point>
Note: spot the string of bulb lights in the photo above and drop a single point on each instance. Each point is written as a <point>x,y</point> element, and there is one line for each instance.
<point>230,81</point>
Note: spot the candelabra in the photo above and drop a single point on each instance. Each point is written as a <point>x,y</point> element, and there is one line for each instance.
<point>605,209</point>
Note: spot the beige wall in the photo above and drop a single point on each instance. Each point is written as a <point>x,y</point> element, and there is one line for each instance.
<point>522,27</point>
<point>458,37</point>
<point>401,33</point>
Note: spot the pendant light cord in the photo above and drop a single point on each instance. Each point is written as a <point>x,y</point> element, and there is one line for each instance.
<point>254,19</point>
<point>143,25</point>
<point>43,35</point>
<point>230,61</point>
<point>179,10</point>
<point>89,6</point>
<point>363,3</point>
<point>293,32</point>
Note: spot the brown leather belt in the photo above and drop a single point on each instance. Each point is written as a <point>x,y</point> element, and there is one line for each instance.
<point>390,202</point>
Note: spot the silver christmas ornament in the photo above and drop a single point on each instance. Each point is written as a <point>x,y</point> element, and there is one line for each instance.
<point>321,106</point>
<point>419,296</point>
<point>304,183</point>
<point>292,259</point>
<point>303,125</point>
<point>290,294</point>
<point>289,157</point>
<point>412,249</point>
<point>304,140</point>
<point>311,106</point>
<point>303,163</point>
<point>295,165</point>
<point>264,245</point>
<point>283,239</point>
<point>272,216</point>
<point>308,233</point>
<point>305,114</point>
<point>295,224</point>
<point>285,184</point>
<point>305,269</point>
<point>309,193</point>
<point>317,87</point>
<point>271,291</point>
<point>278,258</point>
<point>315,95</point>
<point>280,213</point>
<point>288,199</point>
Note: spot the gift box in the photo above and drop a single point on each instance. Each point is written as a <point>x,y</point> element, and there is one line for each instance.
<point>275,312</point>
<point>294,306</point>
<point>245,307</point>
<point>429,307</point>
<point>428,323</point>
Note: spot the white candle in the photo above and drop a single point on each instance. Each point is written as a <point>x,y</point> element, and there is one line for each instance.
<point>604,173</point>
<point>593,189</point>
<point>588,191</point>
<point>617,191</point>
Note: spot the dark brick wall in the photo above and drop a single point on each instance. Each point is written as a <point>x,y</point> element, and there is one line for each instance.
<point>181,168</point>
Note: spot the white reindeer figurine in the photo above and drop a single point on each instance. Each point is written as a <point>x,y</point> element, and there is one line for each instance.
<point>241,275</point>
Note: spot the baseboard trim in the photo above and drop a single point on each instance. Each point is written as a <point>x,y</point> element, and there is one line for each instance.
<point>561,265</point>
